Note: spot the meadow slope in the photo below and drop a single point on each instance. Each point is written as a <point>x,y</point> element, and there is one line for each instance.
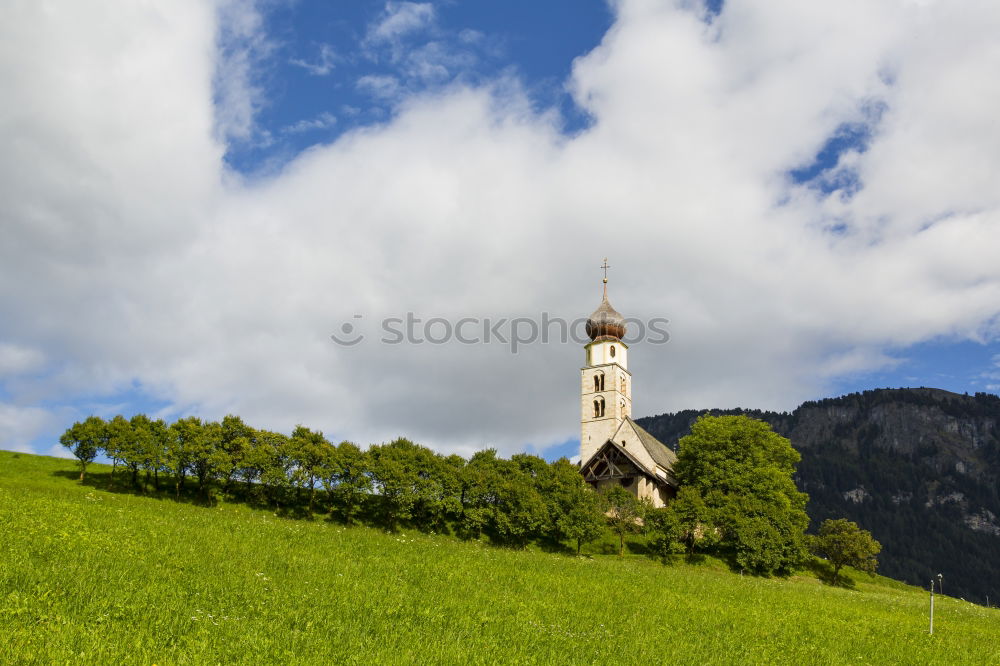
<point>91,576</point>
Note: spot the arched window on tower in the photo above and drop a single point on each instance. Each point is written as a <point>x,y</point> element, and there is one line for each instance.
<point>612,351</point>
<point>599,382</point>
<point>599,408</point>
<point>623,384</point>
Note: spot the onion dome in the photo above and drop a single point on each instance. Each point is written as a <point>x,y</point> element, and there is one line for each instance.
<point>606,323</point>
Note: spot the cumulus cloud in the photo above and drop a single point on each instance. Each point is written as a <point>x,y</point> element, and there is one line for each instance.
<point>134,261</point>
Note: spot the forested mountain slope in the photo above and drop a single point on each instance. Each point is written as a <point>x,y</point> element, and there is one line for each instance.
<point>919,468</point>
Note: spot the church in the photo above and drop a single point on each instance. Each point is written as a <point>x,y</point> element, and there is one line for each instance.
<point>613,447</point>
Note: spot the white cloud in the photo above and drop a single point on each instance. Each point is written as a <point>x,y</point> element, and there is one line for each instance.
<point>399,19</point>
<point>21,426</point>
<point>16,360</point>
<point>326,63</point>
<point>380,86</point>
<point>241,45</point>
<point>324,120</point>
<point>131,256</point>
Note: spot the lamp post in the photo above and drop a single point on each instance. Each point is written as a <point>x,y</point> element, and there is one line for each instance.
<point>940,583</point>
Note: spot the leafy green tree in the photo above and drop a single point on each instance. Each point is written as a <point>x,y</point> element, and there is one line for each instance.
<point>519,513</point>
<point>843,543</point>
<point>208,457</point>
<point>155,450</point>
<point>236,440</point>
<point>182,446</point>
<point>574,507</point>
<point>346,481</point>
<point>763,537</point>
<point>440,490</point>
<point>311,453</point>
<point>695,520</point>
<point>393,482</point>
<point>499,498</point>
<point>403,475</point>
<point>478,481</point>
<point>118,442</point>
<point>582,522</point>
<point>254,461</point>
<point>743,471</point>
<point>85,440</point>
<point>271,459</point>
<point>140,445</point>
<point>666,536</point>
<point>624,513</point>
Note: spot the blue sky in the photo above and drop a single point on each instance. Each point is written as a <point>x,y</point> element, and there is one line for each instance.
<point>323,53</point>
<point>195,197</point>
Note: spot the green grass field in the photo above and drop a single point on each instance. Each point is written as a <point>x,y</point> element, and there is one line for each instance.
<point>91,576</point>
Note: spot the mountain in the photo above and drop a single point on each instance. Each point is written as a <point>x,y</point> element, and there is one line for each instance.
<point>919,468</point>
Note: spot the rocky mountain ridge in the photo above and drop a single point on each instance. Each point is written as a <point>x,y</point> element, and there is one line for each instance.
<point>919,468</point>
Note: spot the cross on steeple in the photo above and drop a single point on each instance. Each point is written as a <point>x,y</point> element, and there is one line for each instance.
<point>605,267</point>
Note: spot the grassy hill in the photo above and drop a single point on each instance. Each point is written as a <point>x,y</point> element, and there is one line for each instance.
<point>90,576</point>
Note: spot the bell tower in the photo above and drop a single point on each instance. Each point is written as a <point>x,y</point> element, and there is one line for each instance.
<point>606,384</point>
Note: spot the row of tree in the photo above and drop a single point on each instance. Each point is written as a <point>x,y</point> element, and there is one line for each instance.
<point>736,498</point>
<point>511,501</point>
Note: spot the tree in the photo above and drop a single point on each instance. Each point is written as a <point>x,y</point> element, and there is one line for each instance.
<point>85,441</point>
<point>118,442</point>
<point>181,448</point>
<point>478,480</point>
<point>624,513</point>
<point>312,453</point>
<point>270,461</point>
<point>139,447</point>
<point>574,508</point>
<point>743,471</point>
<point>583,522</point>
<point>394,479</point>
<point>346,480</point>
<point>207,456</point>
<point>413,484</point>
<point>236,440</point>
<point>666,534</point>
<point>156,450</point>
<point>695,521</point>
<point>499,498</point>
<point>843,543</point>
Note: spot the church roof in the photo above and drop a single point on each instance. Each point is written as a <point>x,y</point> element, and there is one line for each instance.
<point>657,450</point>
<point>613,446</point>
<point>661,456</point>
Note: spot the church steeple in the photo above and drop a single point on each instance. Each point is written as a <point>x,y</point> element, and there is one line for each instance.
<point>605,322</point>
<point>606,387</point>
<point>614,449</point>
